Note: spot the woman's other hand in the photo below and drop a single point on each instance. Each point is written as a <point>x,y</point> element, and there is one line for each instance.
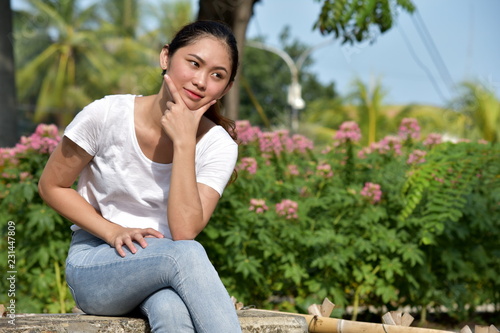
<point>122,236</point>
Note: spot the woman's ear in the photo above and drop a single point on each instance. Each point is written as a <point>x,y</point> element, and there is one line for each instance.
<point>164,57</point>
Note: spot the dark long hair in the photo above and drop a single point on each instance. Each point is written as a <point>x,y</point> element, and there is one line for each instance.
<point>191,33</point>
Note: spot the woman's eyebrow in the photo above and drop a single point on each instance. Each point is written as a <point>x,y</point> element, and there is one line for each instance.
<point>204,62</point>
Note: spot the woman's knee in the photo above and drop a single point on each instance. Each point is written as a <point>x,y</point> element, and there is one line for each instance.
<point>191,248</point>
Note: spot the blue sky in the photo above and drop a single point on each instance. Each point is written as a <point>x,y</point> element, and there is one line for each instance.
<point>464,32</point>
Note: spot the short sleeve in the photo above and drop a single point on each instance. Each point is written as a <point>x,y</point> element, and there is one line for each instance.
<point>85,128</point>
<point>218,160</point>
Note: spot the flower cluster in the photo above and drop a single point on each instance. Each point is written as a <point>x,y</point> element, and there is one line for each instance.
<point>44,140</point>
<point>409,129</point>
<point>288,209</point>
<point>258,206</point>
<point>272,142</point>
<point>387,146</point>
<point>433,139</point>
<point>246,132</point>
<point>416,157</point>
<point>301,143</point>
<point>293,170</point>
<point>372,192</point>
<point>269,142</point>
<point>324,170</point>
<point>248,164</point>
<point>348,131</point>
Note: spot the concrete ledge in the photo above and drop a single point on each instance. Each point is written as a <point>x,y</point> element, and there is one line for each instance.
<point>251,322</point>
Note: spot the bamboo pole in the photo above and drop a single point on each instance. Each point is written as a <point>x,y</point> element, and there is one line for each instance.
<point>333,325</point>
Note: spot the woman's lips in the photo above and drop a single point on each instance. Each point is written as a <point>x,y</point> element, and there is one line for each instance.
<point>193,95</point>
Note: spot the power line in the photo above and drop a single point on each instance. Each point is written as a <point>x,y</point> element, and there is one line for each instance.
<point>432,49</point>
<point>420,64</point>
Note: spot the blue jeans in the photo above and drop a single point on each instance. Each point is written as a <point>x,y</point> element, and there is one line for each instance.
<point>172,282</point>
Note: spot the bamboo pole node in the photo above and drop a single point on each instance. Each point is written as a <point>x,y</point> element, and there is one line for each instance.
<point>323,310</point>
<point>485,329</point>
<point>397,318</point>
<point>465,329</point>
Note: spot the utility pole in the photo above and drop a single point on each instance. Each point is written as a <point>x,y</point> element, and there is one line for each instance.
<point>294,98</point>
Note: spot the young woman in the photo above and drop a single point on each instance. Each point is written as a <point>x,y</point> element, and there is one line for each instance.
<point>151,170</point>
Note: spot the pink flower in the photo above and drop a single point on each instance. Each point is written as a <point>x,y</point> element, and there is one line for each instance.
<point>8,156</point>
<point>269,142</point>
<point>301,143</point>
<point>372,192</point>
<point>416,157</point>
<point>387,146</point>
<point>288,209</point>
<point>44,140</point>
<point>246,133</point>
<point>293,170</point>
<point>363,152</point>
<point>285,140</point>
<point>409,128</point>
<point>326,150</point>
<point>433,139</point>
<point>248,164</point>
<point>258,206</point>
<point>348,131</point>
<point>24,175</point>
<point>6,175</point>
<point>48,131</point>
<point>324,170</point>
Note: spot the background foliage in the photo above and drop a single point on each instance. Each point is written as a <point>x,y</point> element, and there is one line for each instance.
<point>368,219</point>
<point>404,221</point>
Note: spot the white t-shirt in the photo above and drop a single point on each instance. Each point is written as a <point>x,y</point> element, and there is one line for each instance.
<point>124,185</point>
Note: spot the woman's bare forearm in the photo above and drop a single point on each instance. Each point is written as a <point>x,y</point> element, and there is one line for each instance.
<point>185,210</point>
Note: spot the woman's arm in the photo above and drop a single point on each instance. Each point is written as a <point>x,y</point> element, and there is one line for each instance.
<point>190,204</point>
<point>61,171</point>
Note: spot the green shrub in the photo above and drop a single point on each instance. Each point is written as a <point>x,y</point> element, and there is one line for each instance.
<point>404,221</point>
<point>41,238</point>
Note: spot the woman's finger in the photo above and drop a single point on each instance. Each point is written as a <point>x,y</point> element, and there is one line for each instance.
<point>173,90</point>
<point>139,238</point>
<point>170,105</point>
<point>120,251</point>
<point>130,245</point>
<point>201,111</point>
<point>154,233</point>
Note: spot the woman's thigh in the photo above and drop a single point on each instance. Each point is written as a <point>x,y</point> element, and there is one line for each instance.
<point>104,283</point>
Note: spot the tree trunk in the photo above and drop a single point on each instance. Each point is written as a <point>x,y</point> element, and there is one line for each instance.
<point>8,116</point>
<point>237,14</point>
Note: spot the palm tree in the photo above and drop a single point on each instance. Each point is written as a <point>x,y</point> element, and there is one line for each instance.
<point>481,109</point>
<point>75,49</point>
<point>136,35</point>
<point>93,51</point>
<point>368,100</point>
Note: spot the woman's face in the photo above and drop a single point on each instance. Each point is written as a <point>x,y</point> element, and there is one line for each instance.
<point>200,71</point>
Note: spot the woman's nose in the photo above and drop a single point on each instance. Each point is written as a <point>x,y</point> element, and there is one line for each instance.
<point>200,80</point>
